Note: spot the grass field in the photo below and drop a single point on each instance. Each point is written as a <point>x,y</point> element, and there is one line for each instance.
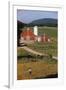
<point>41,67</point>
<point>47,48</point>
<point>50,31</point>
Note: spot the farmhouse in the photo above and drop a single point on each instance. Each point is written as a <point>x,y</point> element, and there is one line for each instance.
<point>29,36</point>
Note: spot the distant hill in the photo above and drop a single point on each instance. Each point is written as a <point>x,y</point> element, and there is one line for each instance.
<point>44,22</point>
<point>40,22</point>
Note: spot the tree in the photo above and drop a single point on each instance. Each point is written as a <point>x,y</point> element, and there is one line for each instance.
<point>20,25</point>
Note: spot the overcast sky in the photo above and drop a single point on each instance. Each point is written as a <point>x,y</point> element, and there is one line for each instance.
<point>28,16</point>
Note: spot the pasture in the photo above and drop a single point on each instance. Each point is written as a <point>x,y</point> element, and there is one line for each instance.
<point>39,69</point>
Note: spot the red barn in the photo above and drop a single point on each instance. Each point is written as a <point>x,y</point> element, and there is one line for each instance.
<point>28,34</point>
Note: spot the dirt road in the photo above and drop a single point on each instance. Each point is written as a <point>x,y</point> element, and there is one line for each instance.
<point>33,51</point>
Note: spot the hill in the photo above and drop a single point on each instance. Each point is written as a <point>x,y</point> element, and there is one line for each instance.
<point>44,22</point>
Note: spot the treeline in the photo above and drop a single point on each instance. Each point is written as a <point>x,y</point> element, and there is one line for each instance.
<point>20,25</point>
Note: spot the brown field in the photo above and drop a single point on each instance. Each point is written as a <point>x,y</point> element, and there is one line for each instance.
<point>39,69</point>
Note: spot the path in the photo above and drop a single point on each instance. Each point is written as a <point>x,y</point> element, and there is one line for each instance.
<point>35,52</point>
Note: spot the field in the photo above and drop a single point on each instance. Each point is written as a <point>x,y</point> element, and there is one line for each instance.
<point>50,31</point>
<point>49,48</point>
<point>40,67</point>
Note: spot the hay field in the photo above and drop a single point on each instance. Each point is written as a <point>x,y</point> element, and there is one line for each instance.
<point>39,69</point>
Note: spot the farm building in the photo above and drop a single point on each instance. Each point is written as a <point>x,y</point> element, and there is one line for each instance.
<point>27,36</point>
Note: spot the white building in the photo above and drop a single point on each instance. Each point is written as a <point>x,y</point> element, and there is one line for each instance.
<point>36,30</point>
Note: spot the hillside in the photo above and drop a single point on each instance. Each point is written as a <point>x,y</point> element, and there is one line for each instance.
<point>40,22</point>
<point>44,22</point>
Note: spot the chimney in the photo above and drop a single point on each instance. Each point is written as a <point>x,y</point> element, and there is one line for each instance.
<point>36,30</point>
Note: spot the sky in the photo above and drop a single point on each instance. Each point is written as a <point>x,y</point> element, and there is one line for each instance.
<point>27,16</point>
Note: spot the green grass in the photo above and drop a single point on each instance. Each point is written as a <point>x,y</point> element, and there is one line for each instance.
<point>21,52</point>
<point>47,48</point>
<point>50,31</point>
<point>46,61</point>
<point>34,58</point>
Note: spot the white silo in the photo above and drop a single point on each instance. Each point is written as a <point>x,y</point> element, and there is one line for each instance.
<point>36,30</point>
